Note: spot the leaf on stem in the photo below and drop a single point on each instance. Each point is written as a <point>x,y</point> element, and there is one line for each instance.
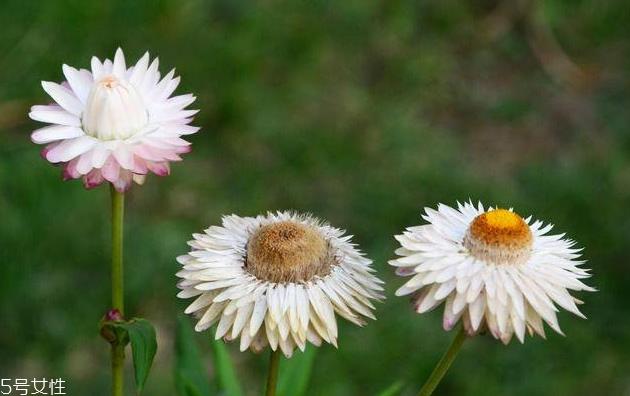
<point>143,340</point>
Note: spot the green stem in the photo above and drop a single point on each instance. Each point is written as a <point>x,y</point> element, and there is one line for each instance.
<point>444,363</point>
<point>272,376</point>
<point>118,365</point>
<point>118,302</point>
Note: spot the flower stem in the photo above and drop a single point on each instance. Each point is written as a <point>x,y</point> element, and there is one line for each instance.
<point>445,362</point>
<point>272,376</point>
<point>118,302</point>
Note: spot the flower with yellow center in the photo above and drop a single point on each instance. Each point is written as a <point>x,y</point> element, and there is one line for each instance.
<point>276,280</point>
<point>493,270</point>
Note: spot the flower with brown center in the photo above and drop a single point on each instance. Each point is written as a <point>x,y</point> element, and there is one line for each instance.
<point>276,280</point>
<point>288,251</point>
<point>491,268</point>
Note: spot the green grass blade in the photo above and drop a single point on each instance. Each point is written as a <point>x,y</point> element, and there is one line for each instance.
<point>226,379</point>
<point>393,390</point>
<point>296,372</point>
<point>191,376</point>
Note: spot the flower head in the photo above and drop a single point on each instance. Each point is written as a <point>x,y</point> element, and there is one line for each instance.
<point>276,280</point>
<point>492,268</point>
<point>114,123</point>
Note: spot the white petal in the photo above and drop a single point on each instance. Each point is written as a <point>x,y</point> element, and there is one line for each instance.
<point>139,70</point>
<point>243,316</point>
<point>98,70</point>
<point>210,316</point>
<point>323,308</point>
<point>64,97</point>
<point>272,334</point>
<point>476,311</point>
<point>224,325</point>
<point>54,115</point>
<point>69,149</point>
<point>120,68</point>
<point>55,132</point>
<point>258,315</point>
<point>202,301</point>
<point>99,156</point>
<point>79,80</point>
<point>450,316</point>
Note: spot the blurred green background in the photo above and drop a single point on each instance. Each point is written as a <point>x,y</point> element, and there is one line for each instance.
<point>361,112</point>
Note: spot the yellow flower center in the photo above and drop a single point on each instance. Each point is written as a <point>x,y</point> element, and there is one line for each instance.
<point>288,251</point>
<point>499,236</point>
<point>502,218</point>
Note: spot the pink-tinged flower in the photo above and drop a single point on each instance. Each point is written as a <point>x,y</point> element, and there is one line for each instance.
<point>114,123</point>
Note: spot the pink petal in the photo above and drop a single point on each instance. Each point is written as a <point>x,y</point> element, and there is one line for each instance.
<point>147,153</point>
<point>123,183</point>
<point>183,150</point>
<point>140,165</point>
<point>165,154</point>
<point>93,179</point>
<point>46,149</point>
<point>159,168</point>
<point>70,170</point>
<point>111,170</point>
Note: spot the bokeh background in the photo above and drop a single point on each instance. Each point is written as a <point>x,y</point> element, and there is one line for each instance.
<point>360,112</point>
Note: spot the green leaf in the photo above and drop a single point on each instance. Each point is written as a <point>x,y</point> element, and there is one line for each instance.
<point>143,347</point>
<point>393,390</point>
<point>191,377</point>
<point>226,375</point>
<point>296,372</point>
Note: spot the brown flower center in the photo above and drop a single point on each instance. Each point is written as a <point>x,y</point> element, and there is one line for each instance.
<point>288,251</point>
<point>499,236</point>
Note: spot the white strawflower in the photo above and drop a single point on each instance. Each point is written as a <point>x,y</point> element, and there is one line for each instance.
<point>276,280</point>
<point>493,269</point>
<point>114,123</point>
